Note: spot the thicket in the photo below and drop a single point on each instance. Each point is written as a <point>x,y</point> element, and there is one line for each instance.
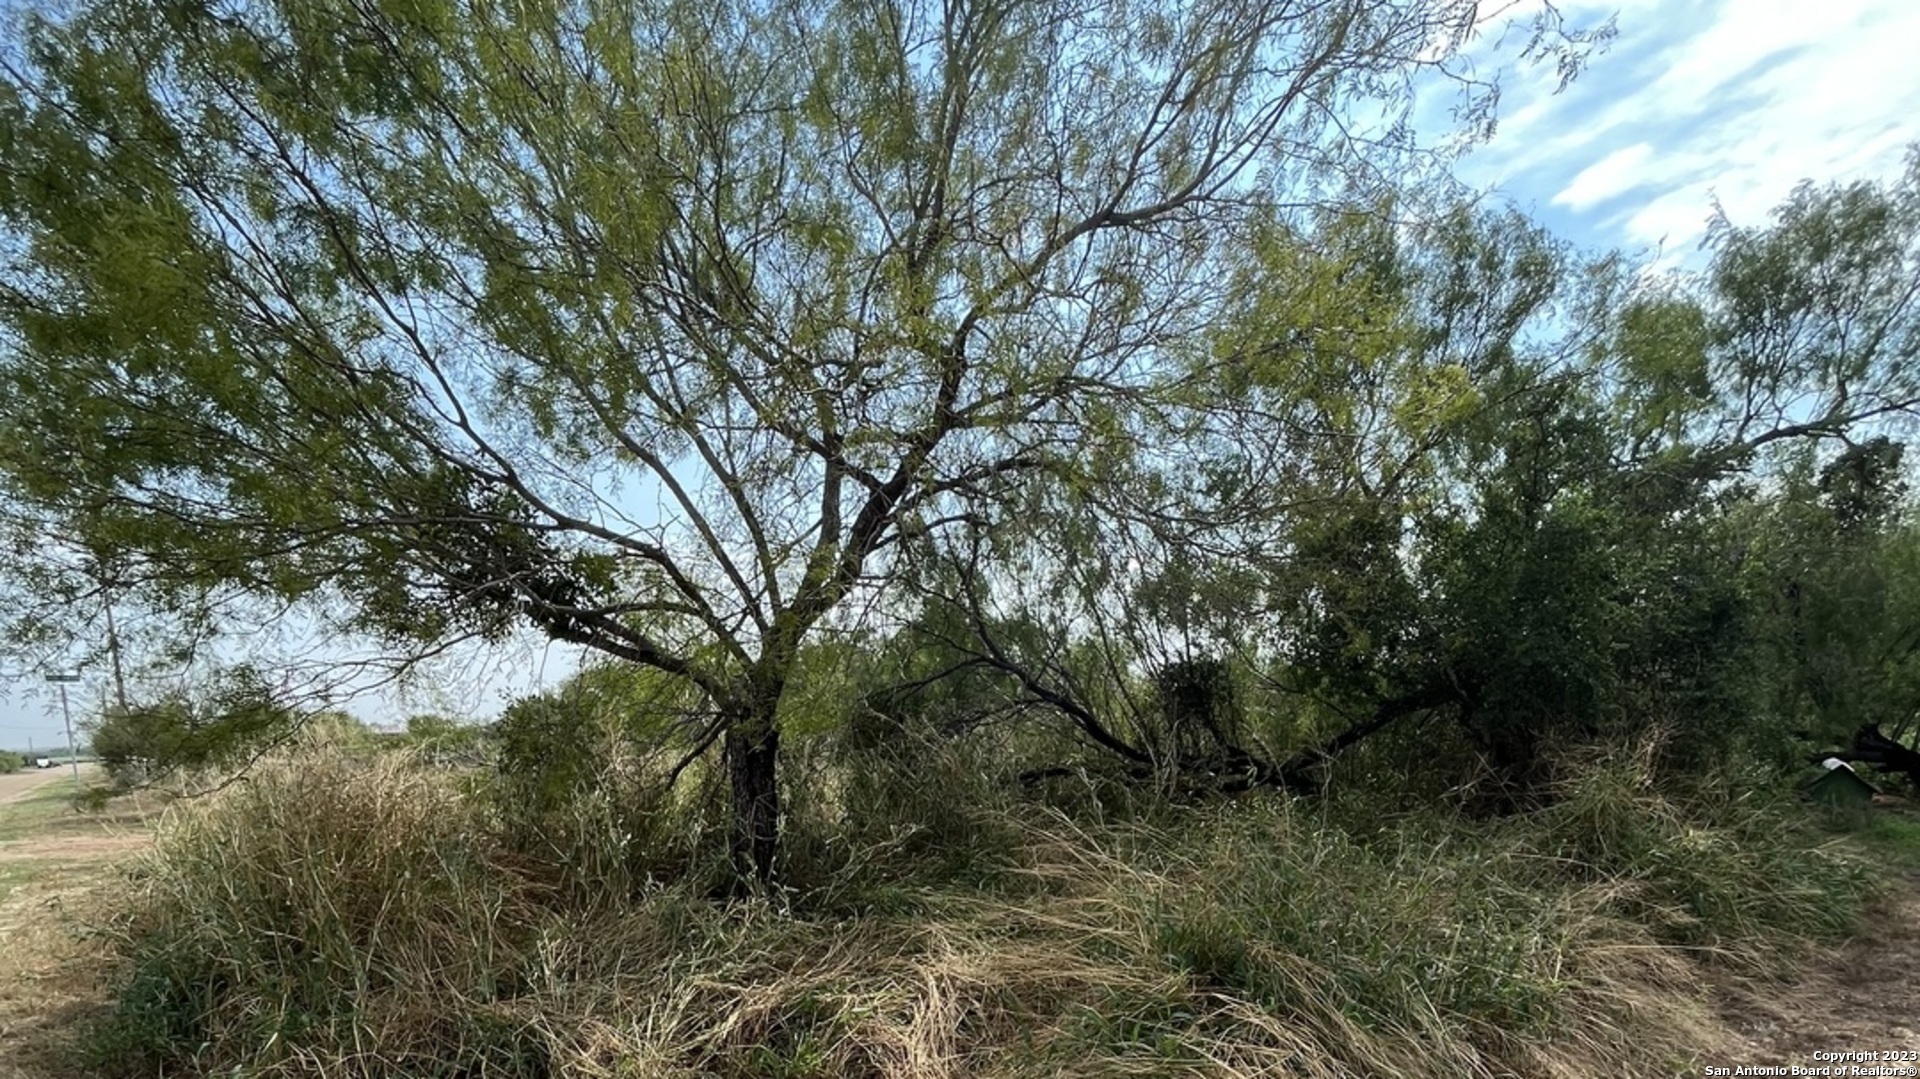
<point>971,887</point>
<point>218,724</point>
<point>1464,766</point>
<point>352,914</point>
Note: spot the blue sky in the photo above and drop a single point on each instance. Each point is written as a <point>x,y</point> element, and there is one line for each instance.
<point>470,680</point>
<point>1692,101</point>
<point>1695,101</point>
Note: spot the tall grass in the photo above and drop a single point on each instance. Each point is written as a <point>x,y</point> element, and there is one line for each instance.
<point>1740,875</point>
<point>329,900</point>
<point>342,916</point>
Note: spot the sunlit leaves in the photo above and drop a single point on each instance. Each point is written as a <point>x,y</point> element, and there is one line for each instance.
<point>1663,347</point>
<point>1819,313</point>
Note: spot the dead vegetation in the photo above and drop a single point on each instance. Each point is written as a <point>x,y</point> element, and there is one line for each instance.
<point>339,915</point>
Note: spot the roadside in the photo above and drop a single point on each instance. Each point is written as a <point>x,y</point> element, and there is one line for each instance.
<point>41,829</point>
<point>45,839</point>
<point>22,784</point>
<point>1862,997</point>
<point>55,861</point>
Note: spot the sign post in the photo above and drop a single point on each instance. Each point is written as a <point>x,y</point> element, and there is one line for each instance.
<point>63,679</point>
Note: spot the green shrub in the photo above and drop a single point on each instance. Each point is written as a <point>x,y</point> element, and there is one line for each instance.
<point>921,803</point>
<point>577,792</point>
<point>1421,929</point>
<point>218,724</point>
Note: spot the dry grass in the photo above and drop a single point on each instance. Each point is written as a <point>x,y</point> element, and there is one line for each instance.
<point>345,915</point>
<point>349,917</point>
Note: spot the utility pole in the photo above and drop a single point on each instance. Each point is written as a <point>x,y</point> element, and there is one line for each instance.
<point>73,755</point>
<point>113,653</point>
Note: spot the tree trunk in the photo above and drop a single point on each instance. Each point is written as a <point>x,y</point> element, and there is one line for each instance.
<point>753,752</point>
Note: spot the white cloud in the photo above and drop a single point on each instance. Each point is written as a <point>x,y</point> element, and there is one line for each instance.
<point>1737,101</point>
<point>1615,174</point>
<point>1675,221</point>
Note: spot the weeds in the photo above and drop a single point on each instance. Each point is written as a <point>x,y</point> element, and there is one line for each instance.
<point>317,903</point>
<point>354,916</point>
<point>1746,878</point>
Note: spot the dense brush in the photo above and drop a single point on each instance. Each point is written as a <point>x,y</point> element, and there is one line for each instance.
<point>342,915</point>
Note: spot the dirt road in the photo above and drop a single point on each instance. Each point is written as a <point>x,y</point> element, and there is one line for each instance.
<point>1858,998</point>
<point>21,784</point>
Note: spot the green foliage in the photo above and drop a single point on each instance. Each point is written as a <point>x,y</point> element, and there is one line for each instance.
<point>1196,721</point>
<point>389,313</point>
<point>581,782</point>
<point>1663,346</point>
<point>1719,866</point>
<point>1815,308</point>
<point>447,741</point>
<point>1506,496</point>
<point>11,762</point>
<point>219,724</point>
<point>1567,559</point>
<point>384,310</point>
<point>1839,572</point>
<point>916,801</point>
<point>984,450</point>
<point>427,728</point>
<point>1447,927</point>
<point>1891,838</point>
<point>550,744</point>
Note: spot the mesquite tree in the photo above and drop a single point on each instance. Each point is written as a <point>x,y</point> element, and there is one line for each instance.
<point>652,324</point>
